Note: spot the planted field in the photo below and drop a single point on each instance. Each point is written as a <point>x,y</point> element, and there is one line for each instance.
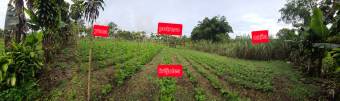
<point>125,70</point>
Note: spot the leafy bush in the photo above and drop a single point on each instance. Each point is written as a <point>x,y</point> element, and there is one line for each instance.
<point>19,67</point>
<point>26,92</point>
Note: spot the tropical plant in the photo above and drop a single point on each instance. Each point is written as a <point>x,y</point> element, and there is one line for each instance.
<point>92,8</point>
<point>77,9</point>
<point>286,34</point>
<point>21,63</point>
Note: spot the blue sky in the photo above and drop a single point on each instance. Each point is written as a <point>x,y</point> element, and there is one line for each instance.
<point>143,15</point>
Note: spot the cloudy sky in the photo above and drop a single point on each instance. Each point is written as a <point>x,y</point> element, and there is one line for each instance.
<point>143,15</point>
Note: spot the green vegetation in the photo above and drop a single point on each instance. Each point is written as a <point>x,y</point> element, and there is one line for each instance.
<point>127,57</point>
<point>45,60</point>
<point>249,74</point>
<point>2,45</point>
<point>215,29</point>
<point>199,92</point>
<point>20,66</point>
<point>166,85</point>
<point>243,48</point>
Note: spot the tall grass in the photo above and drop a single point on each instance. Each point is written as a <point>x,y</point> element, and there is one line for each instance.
<point>243,48</point>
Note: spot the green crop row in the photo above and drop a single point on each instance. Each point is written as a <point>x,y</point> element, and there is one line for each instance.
<point>199,92</point>
<point>167,85</point>
<point>126,57</point>
<point>214,81</point>
<point>236,71</point>
<point>130,67</point>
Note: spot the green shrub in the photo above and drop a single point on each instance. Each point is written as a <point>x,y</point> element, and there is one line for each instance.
<point>24,92</point>
<point>19,68</point>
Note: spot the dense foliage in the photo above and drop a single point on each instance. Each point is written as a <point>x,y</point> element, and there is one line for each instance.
<point>20,67</point>
<point>214,29</point>
<point>243,48</point>
<point>312,49</point>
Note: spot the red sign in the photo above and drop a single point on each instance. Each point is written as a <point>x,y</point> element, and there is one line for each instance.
<point>259,37</point>
<point>169,29</point>
<point>101,31</point>
<point>170,70</point>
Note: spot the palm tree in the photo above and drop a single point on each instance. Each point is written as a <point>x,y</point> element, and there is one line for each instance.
<point>77,10</point>
<point>92,9</point>
<point>49,19</point>
<point>91,14</point>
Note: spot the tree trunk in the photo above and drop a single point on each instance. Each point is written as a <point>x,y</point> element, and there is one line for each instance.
<point>7,37</point>
<point>19,6</point>
<point>47,42</point>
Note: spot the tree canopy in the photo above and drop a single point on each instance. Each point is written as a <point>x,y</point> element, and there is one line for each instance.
<point>286,34</point>
<point>113,29</point>
<point>214,29</point>
<point>297,12</point>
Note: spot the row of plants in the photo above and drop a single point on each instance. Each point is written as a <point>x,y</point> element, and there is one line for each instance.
<point>108,52</point>
<point>238,72</point>
<point>250,74</point>
<point>167,85</point>
<point>199,92</point>
<point>130,67</point>
<point>213,79</point>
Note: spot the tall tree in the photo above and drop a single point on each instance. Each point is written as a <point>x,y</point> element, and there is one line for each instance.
<point>286,34</point>
<point>92,8</point>
<point>214,29</point>
<point>77,10</point>
<point>113,28</point>
<point>297,12</point>
<point>49,19</point>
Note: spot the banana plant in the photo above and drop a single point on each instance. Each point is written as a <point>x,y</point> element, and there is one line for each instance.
<point>21,63</point>
<point>318,31</point>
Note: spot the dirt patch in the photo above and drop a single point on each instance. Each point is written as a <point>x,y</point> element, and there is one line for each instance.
<point>281,88</point>
<point>51,79</point>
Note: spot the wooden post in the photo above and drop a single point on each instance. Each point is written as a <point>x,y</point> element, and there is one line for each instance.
<point>183,43</point>
<point>89,70</point>
<point>190,44</point>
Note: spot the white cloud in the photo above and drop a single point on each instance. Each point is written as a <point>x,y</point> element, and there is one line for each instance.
<point>3,5</point>
<point>257,22</point>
